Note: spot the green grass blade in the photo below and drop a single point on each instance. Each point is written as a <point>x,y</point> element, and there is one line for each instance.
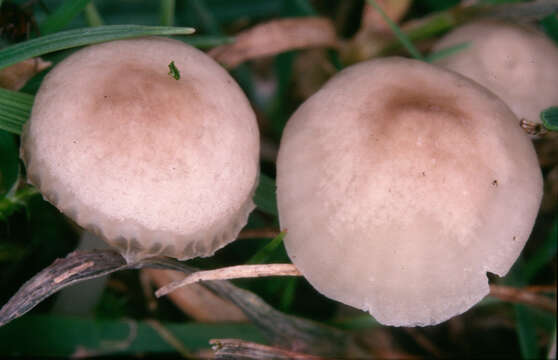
<point>526,332</point>
<point>9,162</point>
<point>544,254</point>
<point>206,18</point>
<point>288,296</point>
<point>79,37</point>
<point>549,118</point>
<point>15,108</point>
<point>64,336</point>
<point>208,41</point>
<point>12,203</point>
<point>62,16</point>
<point>438,55</point>
<point>265,252</point>
<point>92,16</point>
<point>265,195</point>
<point>398,32</point>
<point>167,12</point>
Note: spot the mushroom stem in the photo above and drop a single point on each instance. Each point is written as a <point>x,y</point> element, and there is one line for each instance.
<point>232,272</point>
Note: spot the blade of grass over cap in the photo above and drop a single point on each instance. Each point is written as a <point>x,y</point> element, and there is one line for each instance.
<point>79,37</point>
<point>15,108</point>
<point>62,16</point>
<point>438,55</point>
<point>398,32</point>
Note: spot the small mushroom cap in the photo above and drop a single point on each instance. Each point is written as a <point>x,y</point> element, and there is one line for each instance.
<point>401,185</point>
<point>516,62</point>
<point>155,165</point>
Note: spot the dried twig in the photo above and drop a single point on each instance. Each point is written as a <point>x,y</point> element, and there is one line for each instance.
<point>289,332</point>
<point>549,289</point>
<point>170,339</point>
<point>522,296</point>
<point>265,233</point>
<point>424,342</point>
<point>239,349</point>
<point>232,272</point>
<point>147,289</point>
<point>286,331</point>
<point>61,273</point>
<point>195,300</point>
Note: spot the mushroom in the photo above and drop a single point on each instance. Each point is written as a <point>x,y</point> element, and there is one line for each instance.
<point>400,185</point>
<point>155,162</point>
<point>516,62</point>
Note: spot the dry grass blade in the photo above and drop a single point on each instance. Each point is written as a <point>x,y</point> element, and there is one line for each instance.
<point>258,233</point>
<point>286,331</point>
<point>239,349</point>
<point>166,335</point>
<point>283,330</point>
<point>522,296</point>
<point>424,342</point>
<point>195,300</point>
<point>232,272</point>
<point>276,37</point>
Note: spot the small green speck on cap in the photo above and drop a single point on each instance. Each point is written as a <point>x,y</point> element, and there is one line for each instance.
<point>173,71</point>
<point>549,118</point>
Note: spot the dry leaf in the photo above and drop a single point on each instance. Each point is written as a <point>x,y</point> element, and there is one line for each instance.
<point>16,76</point>
<point>277,36</point>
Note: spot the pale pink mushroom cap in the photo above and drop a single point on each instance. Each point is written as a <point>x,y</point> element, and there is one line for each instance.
<point>156,166</point>
<point>400,185</point>
<point>516,62</point>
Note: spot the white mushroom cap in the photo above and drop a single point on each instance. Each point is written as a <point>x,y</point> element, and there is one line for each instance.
<point>400,185</point>
<point>153,164</point>
<point>516,62</point>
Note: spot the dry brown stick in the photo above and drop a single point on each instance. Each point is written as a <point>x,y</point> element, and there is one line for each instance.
<point>232,272</point>
<point>522,296</point>
<point>239,349</point>
<point>541,289</point>
<point>199,303</point>
<point>505,293</point>
<point>267,233</point>
<point>147,290</point>
<point>424,342</point>
<point>170,339</point>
